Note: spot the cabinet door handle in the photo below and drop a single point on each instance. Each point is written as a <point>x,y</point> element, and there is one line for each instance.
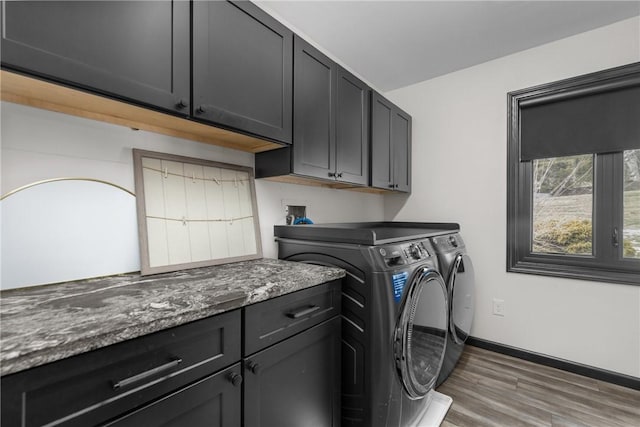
<point>235,379</point>
<point>181,104</point>
<point>201,109</point>
<point>303,311</point>
<point>339,175</point>
<point>146,374</point>
<point>254,367</point>
<point>615,240</point>
<point>332,174</point>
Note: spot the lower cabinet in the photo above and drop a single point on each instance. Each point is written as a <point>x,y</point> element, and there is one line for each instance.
<point>196,374</point>
<point>296,382</point>
<point>95,387</point>
<point>292,359</point>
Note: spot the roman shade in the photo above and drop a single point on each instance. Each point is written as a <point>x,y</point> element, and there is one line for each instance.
<point>597,117</point>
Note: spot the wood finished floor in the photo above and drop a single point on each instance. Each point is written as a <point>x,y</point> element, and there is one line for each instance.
<point>492,389</point>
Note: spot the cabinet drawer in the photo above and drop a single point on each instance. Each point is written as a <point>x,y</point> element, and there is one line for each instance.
<point>93,387</point>
<point>211,402</point>
<point>279,318</point>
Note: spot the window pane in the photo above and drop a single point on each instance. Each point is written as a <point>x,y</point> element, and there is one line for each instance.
<point>631,233</point>
<point>563,205</point>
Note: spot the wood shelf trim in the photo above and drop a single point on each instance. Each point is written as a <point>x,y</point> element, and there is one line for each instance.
<point>303,180</point>
<point>20,89</point>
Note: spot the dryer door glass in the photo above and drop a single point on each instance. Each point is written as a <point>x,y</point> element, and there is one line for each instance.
<point>462,285</point>
<point>421,333</point>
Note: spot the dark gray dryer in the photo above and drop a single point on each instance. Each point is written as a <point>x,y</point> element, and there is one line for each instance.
<point>457,269</point>
<point>395,316</point>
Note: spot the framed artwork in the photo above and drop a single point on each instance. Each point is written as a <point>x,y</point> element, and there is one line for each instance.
<point>193,212</point>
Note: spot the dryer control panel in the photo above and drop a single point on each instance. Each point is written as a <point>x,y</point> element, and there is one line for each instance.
<point>448,243</point>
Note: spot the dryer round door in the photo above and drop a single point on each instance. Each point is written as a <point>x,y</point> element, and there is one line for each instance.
<point>421,332</point>
<point>462,288</point>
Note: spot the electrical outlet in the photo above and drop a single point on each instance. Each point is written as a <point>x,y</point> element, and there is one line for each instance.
<point>498,307</point>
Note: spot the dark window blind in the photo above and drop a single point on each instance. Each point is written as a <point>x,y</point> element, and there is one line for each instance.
<point>595,118</point>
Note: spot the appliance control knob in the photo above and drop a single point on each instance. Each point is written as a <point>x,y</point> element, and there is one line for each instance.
<point>414,251</point>
<point>453,241</point>
<point>423,249</point>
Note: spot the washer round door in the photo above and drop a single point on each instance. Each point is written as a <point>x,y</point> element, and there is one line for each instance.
<point>421,332</point>
<point>462,286</point>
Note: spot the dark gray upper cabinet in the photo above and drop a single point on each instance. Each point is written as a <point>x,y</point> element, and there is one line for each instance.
<point>330,123</point>
<point>352,129</point>
<point>242,69</point>
<point>313,116</point>
<point>133,50</point>
<point>390,146</point>
<point>401,134</point>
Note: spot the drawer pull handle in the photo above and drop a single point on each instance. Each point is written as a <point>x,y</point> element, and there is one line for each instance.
<point>146,374</point>
<point>303,311</point>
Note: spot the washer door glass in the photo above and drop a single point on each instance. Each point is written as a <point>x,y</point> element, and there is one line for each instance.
<point>462,285</point>
<point>421,333</point>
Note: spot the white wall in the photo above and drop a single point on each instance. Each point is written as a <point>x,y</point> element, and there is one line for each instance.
<point>38,145</point>
<point>459,174</point>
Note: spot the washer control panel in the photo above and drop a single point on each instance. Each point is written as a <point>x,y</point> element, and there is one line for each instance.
<point>416,251</point>
<point>404,253</point>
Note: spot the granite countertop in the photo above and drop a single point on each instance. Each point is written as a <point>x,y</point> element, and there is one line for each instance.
<point>47,323</point>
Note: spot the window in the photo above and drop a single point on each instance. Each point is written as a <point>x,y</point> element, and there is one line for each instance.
<point>574,178</point>
<point>631,205</point>
<point>562,220</point>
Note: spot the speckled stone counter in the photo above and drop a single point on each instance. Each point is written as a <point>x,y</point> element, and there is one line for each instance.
<point>48,323</point>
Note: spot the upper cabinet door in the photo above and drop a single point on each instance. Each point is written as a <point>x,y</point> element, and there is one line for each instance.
<point>314,84</point>
<point>390,146</point>
<point>401,135</point>
<point>352,129</point>
<point>381,147</point>
<point>133,50</point>
<point>242,69</point>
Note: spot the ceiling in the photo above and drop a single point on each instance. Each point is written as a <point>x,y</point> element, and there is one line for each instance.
<point>393,44</point>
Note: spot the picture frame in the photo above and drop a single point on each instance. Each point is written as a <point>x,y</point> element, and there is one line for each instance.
<point>193,212</point>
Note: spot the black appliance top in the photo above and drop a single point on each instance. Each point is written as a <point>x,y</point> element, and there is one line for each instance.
<point>365,233</point>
